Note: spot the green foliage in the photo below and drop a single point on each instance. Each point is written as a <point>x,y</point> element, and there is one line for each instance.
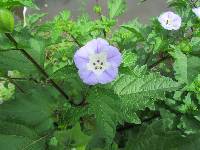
<point>16,3</point>
<point>105,106</point>
<point>116,7</point>
<point>153,103</point>
<point>6,21</point>
<point>186,67</point>
<point>151,84</point>
<point>26,120</point>
<point>157,137</point>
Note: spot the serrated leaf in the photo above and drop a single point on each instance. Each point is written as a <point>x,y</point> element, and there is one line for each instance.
<point>146,85</point>
<point>116,7</point>
<point>106,108</point>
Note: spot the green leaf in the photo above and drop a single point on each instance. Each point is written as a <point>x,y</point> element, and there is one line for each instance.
<point>152,84</point>
<point>6,21</point>
<point>159,138</point>
<point>14,142</point>
<point>15,60</point>
<point>195,41</point>
<point>129,59</point>
<point>69,139</point>
<point>135,27</point>
<point>17,3</point>
<point>186,67</point>
<point>116,7</point>
<point>26,120</point>
<point>19,137</point>
<point>105,106</point>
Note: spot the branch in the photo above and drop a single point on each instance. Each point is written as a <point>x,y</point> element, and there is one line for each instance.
<point>76,41</point>
<point>16,85</point>
<point>159,61</point>
<point>33,61</point>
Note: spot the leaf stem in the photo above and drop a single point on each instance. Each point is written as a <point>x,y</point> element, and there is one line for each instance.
<point>16,85</point>
<point>76,41</point>
<point>101,18</point>
<point>159,61</point>
<point>34,62</point>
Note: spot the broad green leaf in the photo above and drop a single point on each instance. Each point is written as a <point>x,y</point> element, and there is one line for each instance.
<point>69,139</point>
<point>33,109</point>
<point>186,67</point>
<point>156,137</point>
<point>105,106</point>
<point>6,21</point>
<point>129,59</point>
<point>152,84</point>
<point>15,60</point>
<point>26,122</point>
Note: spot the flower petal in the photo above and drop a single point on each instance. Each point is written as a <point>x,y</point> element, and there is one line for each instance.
<point>101,43</point>
<point>177,22</point>
<point>88,77</point>
<point>108,75</point>
<point>196,11</point>
<point>113,56</point>
<point>80,62</point>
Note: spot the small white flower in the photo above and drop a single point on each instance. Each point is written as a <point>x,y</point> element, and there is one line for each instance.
<point>196,11</point>
<point>170,20</point>
<point>24,16</point>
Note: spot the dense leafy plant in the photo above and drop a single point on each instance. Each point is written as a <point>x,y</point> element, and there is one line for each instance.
<point>152,104</point>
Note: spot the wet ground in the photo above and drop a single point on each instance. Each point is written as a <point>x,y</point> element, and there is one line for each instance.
<point>142,11</point>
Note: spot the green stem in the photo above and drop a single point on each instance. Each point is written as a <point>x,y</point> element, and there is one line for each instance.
<point>101,18</point>
<point>158,62</point>
<point>34,62</point>
<point>16,85</point>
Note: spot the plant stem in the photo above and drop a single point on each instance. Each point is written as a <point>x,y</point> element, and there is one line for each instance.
<point>159,61</point>
<point>16,85</point>
<point>34,62</point>
<point>76,41</point>
<point>101,18</point>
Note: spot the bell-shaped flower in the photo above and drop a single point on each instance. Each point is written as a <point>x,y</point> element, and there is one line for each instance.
<point>97,62</point>
<point>170,20</point>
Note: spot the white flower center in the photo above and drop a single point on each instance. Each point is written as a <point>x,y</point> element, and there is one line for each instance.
<point>98,63</point>
<point>168,21</point>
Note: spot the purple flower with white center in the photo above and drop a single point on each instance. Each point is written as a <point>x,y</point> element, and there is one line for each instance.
<point>170,20</point>
<point>196,11</point>
<point>97,62</point>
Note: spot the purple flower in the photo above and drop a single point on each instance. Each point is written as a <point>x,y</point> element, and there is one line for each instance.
<point>170,21</point>
<point>97,62</point>
<point>196,11</point>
